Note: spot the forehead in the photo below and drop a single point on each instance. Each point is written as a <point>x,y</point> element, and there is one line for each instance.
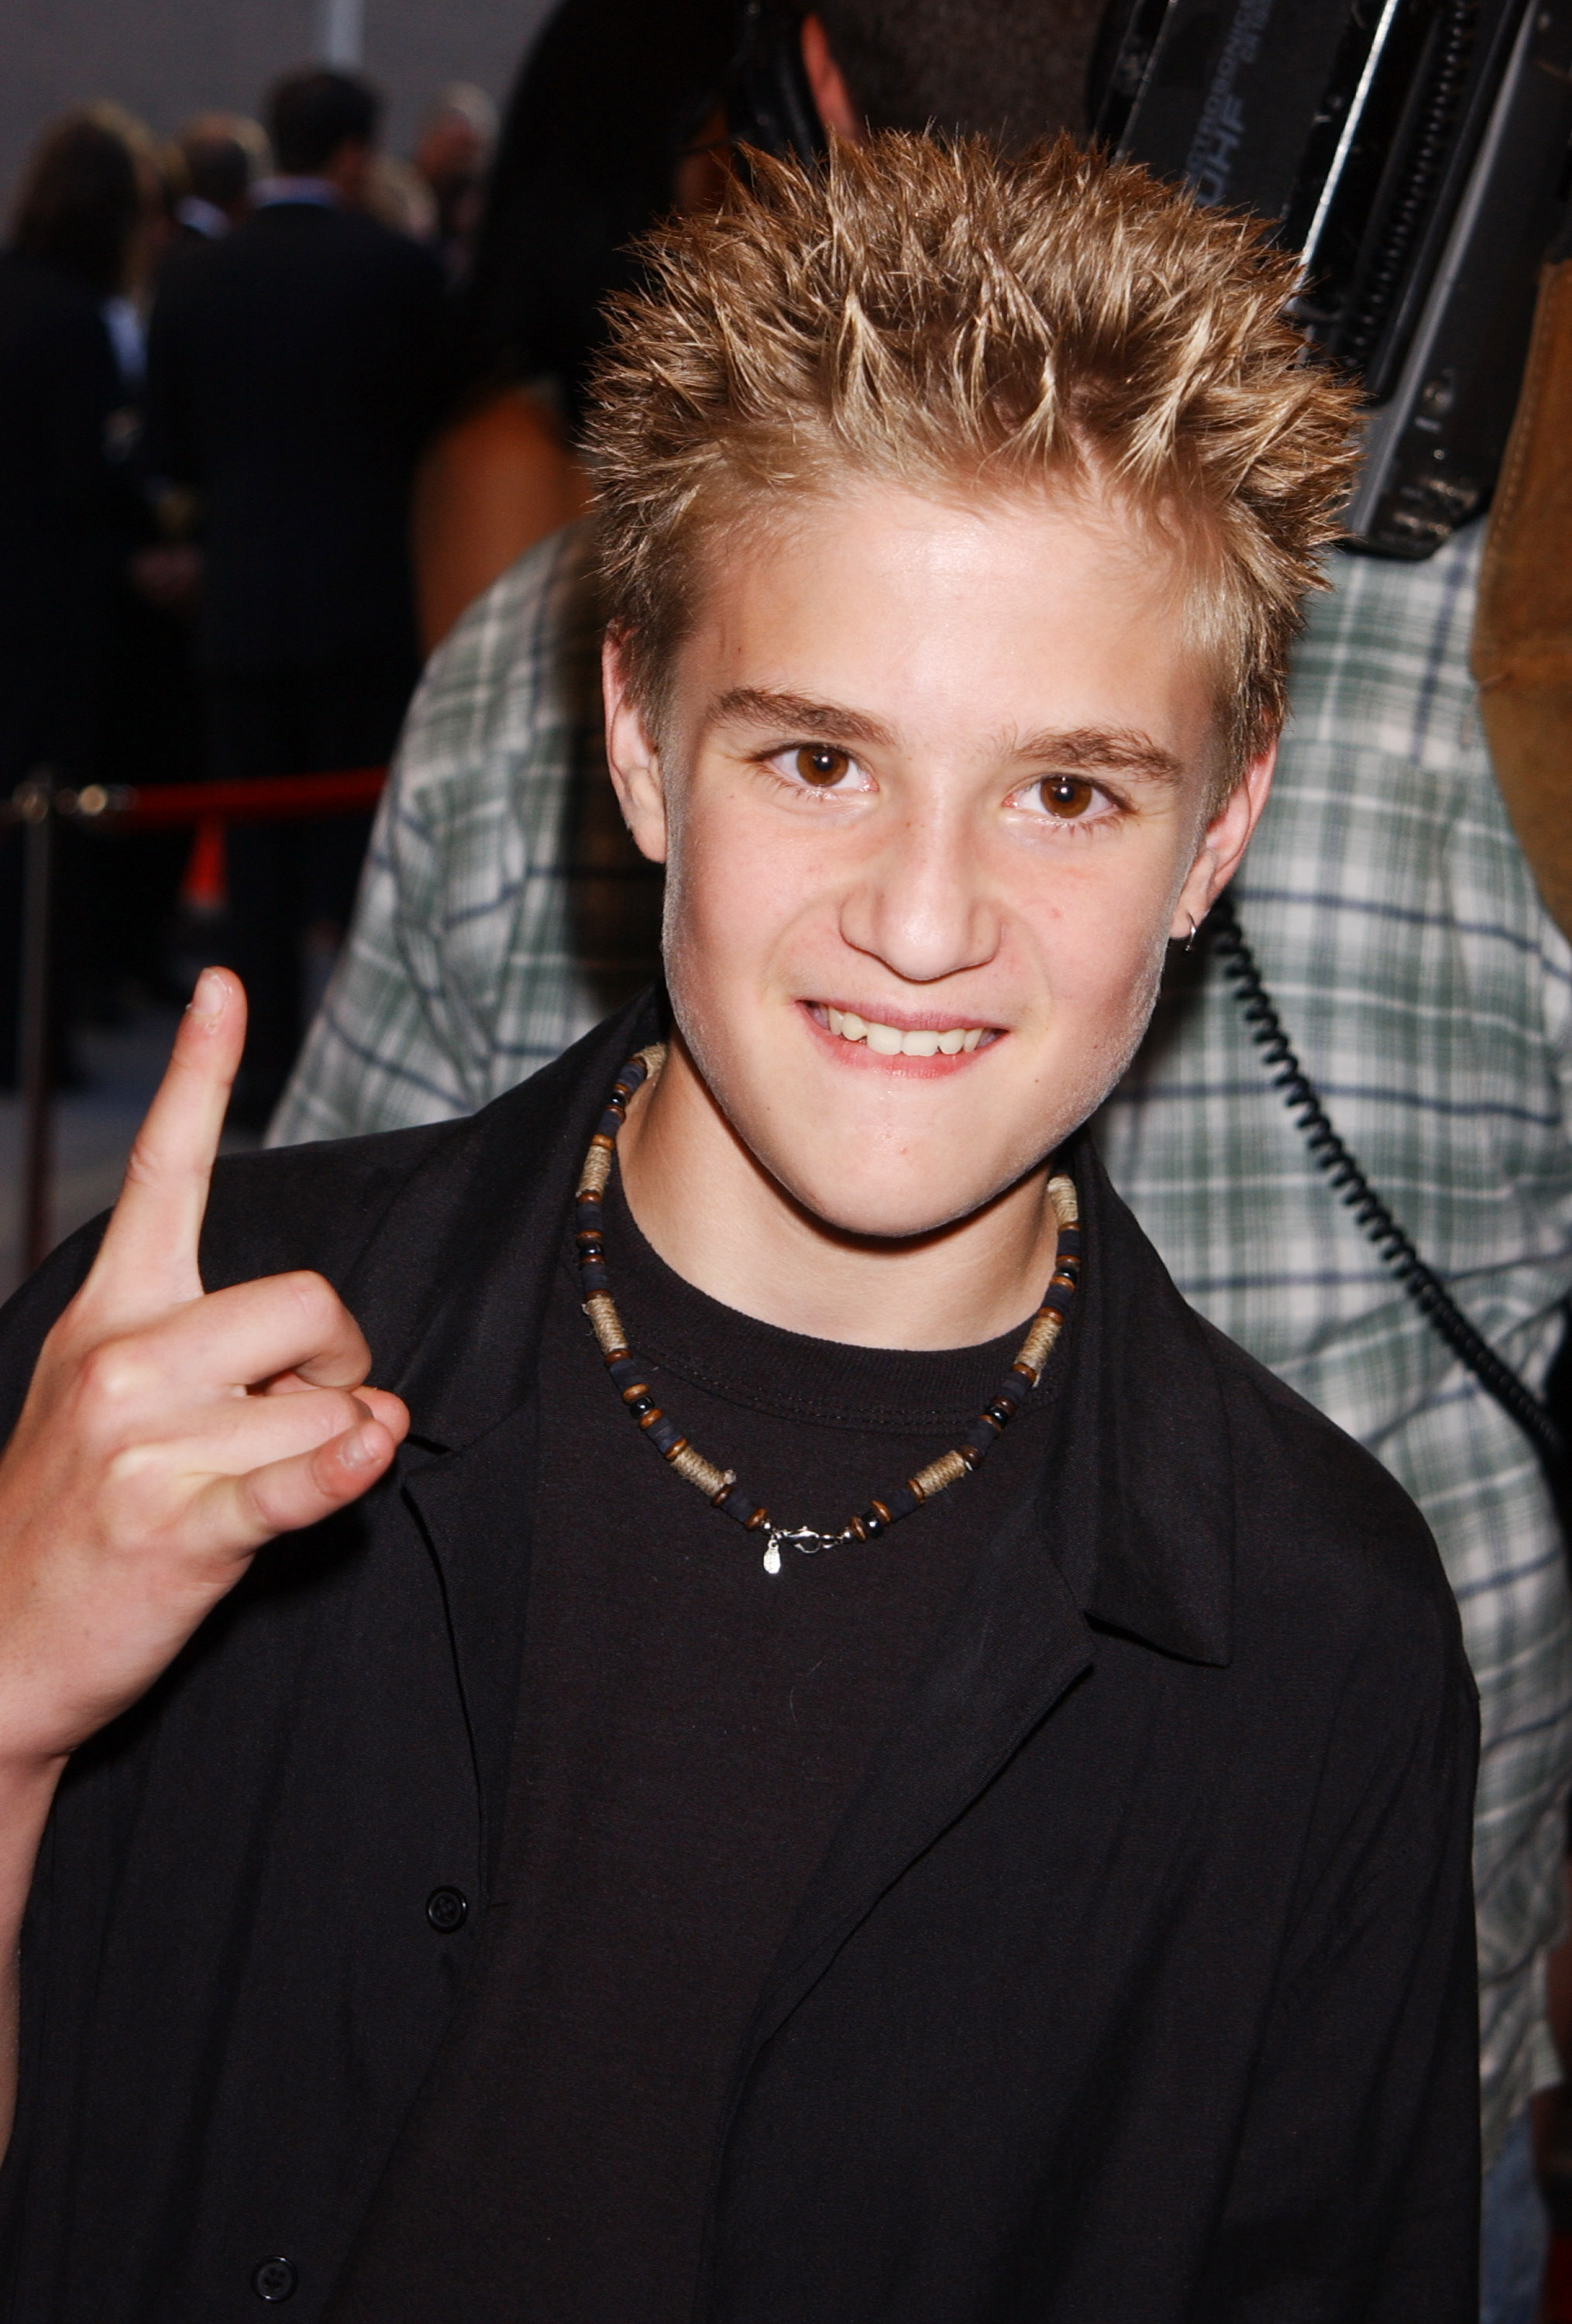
<point>1024,609</point>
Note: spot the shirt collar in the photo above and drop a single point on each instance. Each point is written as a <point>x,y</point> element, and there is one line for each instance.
<point>270,193</point>
<point>202,217</point>
<point>1138,1505</point>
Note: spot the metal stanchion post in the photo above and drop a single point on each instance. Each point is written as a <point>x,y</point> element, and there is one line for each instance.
<point>38,805</point>
<point>34,804</point>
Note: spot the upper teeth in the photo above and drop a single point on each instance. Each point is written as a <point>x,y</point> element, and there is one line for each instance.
<point>890,1041</point>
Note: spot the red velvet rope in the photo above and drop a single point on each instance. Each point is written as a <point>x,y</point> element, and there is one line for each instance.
<point>266,798</point>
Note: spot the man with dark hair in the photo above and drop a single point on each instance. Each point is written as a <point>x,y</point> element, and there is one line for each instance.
<point>288,379</point>
<point>996,1850</point>
<point>323,124</point>
<point>223,154</point>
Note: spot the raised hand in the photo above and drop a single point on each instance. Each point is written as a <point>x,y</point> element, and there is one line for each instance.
<point>168,1431</point>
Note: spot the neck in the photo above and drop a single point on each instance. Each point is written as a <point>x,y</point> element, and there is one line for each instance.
<point>725,1226</point>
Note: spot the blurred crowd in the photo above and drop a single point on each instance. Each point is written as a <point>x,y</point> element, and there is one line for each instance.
<point>275,405</point>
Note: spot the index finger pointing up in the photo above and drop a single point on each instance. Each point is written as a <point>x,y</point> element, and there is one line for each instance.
<point>147,1261</point>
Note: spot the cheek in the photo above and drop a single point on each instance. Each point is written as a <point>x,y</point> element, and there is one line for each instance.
<point>1102,945</point>
<point>707,875</point>
<point>736,886</point>
<point>1100,926</point>
<point>722,912</point>
<point>1132,975</point>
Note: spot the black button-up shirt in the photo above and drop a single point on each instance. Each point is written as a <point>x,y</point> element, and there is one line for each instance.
<point>1136,1983</point>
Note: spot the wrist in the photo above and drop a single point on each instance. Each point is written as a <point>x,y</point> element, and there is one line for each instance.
<point>28,1783</point>
<point>28,1779</point>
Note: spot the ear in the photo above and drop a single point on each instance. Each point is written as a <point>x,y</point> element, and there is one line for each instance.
<point>831,96</point>
<point>633,760</point>
<point>1223,843</point>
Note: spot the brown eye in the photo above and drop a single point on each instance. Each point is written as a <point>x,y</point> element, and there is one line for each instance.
<point>820,763</point>
<point>1067,795</point>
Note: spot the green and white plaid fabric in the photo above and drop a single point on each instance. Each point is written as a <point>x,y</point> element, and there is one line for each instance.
<point>1429,998</point>
<point>1428,993</point>
<point>503,910</point>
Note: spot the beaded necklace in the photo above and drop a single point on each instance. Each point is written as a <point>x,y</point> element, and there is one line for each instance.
<point>719,1486</point>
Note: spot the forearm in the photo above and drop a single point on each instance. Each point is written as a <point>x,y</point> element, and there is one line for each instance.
<point>27,1793</point>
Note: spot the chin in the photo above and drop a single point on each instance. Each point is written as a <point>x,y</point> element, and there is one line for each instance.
<point>898,1213</point>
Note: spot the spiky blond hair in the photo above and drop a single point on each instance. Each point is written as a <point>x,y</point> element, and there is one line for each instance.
<point>939,316</point>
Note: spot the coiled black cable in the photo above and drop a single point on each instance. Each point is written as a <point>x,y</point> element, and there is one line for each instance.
<point>1426,1288</point>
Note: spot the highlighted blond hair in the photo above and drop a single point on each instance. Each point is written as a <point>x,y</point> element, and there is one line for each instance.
<point>941,316</point>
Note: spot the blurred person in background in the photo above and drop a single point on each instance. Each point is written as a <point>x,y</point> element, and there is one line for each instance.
<point>289,385</point>
<point>394,192</point>
<point>611,98</point>
<point>452,155</point>
<point>213,166</point>
<point>100,210</point>
<point>65,278</point>
<point>222,155</point>
<point>1427,987</point>
<point>120,890</point>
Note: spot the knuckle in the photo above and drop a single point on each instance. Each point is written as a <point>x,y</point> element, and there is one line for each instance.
<point>146,1166</point>
<point>315,1297</point>
<point>141,1166</point>
<point>319,1418</point>
<point>346,1413</point>
<point>131,1471</point>
<point>114,1375</point>
<point>262,1502</point>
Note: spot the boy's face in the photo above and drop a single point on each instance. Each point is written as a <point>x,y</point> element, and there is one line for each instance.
<point>941,772</point>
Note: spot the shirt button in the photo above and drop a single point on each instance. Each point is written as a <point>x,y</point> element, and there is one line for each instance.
<point>275,2279</point>
<point>446,1909</point>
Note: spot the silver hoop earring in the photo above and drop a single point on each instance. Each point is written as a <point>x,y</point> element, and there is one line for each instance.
<point>1190,940</point>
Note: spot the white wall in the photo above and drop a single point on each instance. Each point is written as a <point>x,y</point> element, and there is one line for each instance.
<point>167,59</point>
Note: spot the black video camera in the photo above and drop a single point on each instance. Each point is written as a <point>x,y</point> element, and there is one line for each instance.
<point>769,103</point>
<point>1419,154</point>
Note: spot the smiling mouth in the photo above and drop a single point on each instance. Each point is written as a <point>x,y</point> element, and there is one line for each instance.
<point>901,1041</point>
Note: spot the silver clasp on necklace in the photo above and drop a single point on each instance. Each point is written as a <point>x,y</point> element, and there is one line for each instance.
<point>800,1538</point>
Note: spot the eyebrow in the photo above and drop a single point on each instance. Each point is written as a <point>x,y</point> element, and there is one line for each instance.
<point>1083,750</point>
<point>1107,750</point>
<point>758,705</point>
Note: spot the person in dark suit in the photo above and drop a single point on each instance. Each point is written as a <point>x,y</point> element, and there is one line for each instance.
<point>221,155</point>
<point>288,383</point>
<point>60,390</point>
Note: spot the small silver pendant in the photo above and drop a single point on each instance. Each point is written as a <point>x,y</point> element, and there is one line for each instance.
<point>802,1538</point>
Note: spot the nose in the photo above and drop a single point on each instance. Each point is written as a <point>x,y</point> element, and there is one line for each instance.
<point>921,905</point>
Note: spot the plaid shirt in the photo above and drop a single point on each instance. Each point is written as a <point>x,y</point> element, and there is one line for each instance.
<point>1428,993</point>
<point>503,910</point>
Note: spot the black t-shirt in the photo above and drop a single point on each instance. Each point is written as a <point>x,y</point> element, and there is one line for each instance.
<point>690,1731</point>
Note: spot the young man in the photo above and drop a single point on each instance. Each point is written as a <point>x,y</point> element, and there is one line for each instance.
<point>887,1882</point>
<point>504,911</point>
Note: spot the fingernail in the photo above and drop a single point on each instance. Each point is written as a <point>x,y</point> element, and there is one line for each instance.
<point>208,1000</point>
<point>359,1450</point>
